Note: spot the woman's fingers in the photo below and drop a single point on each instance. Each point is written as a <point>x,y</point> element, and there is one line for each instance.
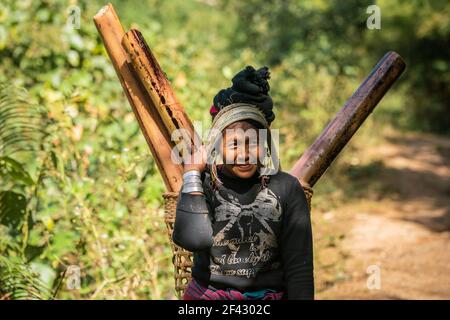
<point>196,160</point>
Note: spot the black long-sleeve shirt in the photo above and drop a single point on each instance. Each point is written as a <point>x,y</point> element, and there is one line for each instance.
<point>249,238</point>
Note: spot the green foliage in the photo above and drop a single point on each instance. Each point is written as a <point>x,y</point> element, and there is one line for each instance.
<point>21,131</point>
<point>21,124</point>
<point>12,209</point>
<point>333,36</point>
<point>10,168</point>
<point>17,281</point>
<point>420,31</point>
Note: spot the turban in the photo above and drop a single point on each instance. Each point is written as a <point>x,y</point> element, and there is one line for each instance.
<point>250,86</point>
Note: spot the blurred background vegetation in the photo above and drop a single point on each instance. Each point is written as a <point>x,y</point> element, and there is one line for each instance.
<point>78,185</point>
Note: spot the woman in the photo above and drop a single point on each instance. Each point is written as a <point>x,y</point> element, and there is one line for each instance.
<point>246,222</point>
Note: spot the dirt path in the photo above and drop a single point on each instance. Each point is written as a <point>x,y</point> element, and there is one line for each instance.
<point>405,236</point>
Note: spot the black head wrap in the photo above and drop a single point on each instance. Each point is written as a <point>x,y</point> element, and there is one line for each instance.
<point>249,86</point>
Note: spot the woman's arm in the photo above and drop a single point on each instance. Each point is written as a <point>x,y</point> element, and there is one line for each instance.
<point>297,245</point>
<point>192,229</point>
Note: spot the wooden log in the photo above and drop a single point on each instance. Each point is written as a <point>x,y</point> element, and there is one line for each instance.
<point>318,157</point>
<point>112,32</point>
<point>158,87</point>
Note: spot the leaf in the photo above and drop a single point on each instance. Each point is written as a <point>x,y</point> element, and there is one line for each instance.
<point>46,274</point>
<point>21,122</point>
<point>14,169</point>
<point>12,209</point>
<point>18,281</point>
<point>63,242</point>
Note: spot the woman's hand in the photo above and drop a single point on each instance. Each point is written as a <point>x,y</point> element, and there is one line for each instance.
<point>196,160</point>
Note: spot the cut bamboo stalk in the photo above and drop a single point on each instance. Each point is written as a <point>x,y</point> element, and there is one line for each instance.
<point>158,87</point>
<point>158,139</point>
<point>318,157</point>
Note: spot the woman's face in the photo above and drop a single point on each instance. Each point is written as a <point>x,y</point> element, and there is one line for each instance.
<point>240,149</point>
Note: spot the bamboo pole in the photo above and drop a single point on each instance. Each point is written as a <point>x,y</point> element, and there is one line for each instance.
<point>318,157</point>
<point>112,32</point>
<point>158,87</point>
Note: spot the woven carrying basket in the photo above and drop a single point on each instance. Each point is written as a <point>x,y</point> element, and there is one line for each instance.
<point>182,259</point>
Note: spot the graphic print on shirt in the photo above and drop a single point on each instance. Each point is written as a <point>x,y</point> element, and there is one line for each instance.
<point>247,227</point>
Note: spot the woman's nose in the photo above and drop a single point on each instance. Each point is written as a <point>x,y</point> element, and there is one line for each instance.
<point>242,155</point>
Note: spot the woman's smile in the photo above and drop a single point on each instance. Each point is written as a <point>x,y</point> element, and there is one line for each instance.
<point>245,167</point>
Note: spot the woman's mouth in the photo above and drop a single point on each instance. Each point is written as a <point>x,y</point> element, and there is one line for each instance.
<point>244,167</point>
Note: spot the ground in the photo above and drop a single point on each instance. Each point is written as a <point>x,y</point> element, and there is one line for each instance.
<point>404,232</point>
